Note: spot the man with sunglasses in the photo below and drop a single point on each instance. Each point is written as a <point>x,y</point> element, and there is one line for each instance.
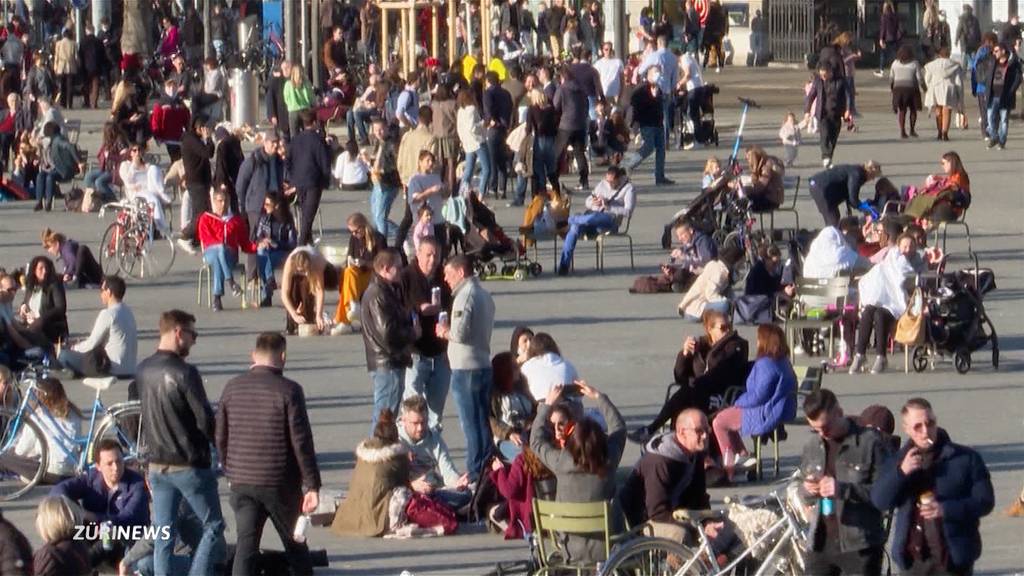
<point>940,491</point>
<point>839,468</point>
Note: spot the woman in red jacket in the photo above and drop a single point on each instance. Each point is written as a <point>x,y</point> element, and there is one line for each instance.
<point>519,483</point>
<point>222,234</point>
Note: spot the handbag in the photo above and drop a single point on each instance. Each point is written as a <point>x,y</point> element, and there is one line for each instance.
<point>95,362</point>
<point>428,512</point>
<point>910,327</point>
<point>753,309</point>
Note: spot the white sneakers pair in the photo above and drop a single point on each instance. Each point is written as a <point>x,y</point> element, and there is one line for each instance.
<point>353,314</point>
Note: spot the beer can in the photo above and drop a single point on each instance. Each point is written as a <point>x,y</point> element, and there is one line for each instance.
<point>442,318</point>
<point>435,296</point>
<point>301,526</point>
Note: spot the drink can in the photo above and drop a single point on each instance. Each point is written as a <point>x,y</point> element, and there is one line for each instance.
<point>301,526</point>
<point>106,538</point>
<point>827,506</point>
<point>442,318</point>
<point>435,296</point>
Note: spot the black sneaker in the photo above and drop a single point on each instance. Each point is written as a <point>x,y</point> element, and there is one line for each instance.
<point>665,182</point>
<point>639,436</point>
<point>217,306</point>
<point>267,302</point>
<point>992,144</point>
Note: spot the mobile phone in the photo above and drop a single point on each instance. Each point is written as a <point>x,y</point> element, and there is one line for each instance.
<point>572,390</point>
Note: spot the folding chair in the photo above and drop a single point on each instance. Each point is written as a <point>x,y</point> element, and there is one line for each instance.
<point>816,296</point>
<point>578,518</point>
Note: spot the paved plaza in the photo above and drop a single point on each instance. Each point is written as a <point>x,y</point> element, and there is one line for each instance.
<point>623,345</point>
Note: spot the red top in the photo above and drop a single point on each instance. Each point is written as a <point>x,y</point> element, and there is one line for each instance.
<point>233,232</point>
<point>516,485</point>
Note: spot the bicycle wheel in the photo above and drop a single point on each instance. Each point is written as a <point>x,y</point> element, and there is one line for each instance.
<point>124,424</point>
<point>18,474</point>
<point>156,256</point>
<point>111,248</point>
<point>654,557</point>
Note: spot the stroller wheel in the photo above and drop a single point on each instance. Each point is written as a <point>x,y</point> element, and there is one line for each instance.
<point>920,359</point>
<point>519,275</point>
<point>508,270</point>
<point>536,269</point>
<point>962,361</point>
<point>492,268</point>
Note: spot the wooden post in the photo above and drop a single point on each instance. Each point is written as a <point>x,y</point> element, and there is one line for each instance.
<point>451,31</point>
<point>485,30</point>
<point>384,34</point>
<point>410,53</point>
<point>434,30</point>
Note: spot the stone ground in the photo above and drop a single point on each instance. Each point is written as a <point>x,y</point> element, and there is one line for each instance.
<point>624,345</point>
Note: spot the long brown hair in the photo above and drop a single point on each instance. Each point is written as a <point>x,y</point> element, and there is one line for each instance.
<point>958,167</point>
<point>588,446</point>
<point>359,220</point>
<point>533,466</point>
<point>52,396</point>
<point>771,342</point>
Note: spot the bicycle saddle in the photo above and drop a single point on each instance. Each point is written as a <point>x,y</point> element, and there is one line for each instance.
<point>99,384</point>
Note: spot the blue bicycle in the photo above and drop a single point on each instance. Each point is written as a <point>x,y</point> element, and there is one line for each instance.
<point>21,413</point>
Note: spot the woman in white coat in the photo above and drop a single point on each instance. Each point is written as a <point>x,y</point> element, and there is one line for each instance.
<point>942,77</point>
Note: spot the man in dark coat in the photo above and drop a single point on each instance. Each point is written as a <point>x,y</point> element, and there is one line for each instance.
<point>277,112</point>
<point>94,65</point>
<point>309,172</point>
<point>1003,83</point>
<point>196,153</point>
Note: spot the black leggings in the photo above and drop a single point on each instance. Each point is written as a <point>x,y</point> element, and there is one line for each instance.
<point>578,139</point>
<point>882,321</point>
<point>684,397</point>
<point>829,129</point>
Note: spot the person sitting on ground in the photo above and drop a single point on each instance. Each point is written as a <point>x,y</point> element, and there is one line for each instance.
<point>765,277</point>
<point>15,551</point>
<point>512,406</point>
<point>108,492</point>
<point>519,483</point>
<point>545,367</point>
<point>222,234</point>
<point>382,466</point>
<point>306,277</point>
<point>80,266</point>
<point>13,343</point>
<point>669,476</point>
<point>705,368</point>
<point>60,422</point>
<point>364,243</point>
<point>608,206</point>
<point>61,553</point>
<point>585,466</point>
<point>112,346</point>
<point>945,196</point>
<point>520,346</point>
<point>352,168</point>
<point>44,310</point>
<point>431,468</point>
<point>769,400</point>
<point>144,180</point>
<point>711,289</point>
<point>275,237</point>
<point>687,261</point>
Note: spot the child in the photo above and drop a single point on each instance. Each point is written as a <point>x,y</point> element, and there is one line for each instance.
<point>712,172</point>
<point>790,136</point>
<point>424,228</point>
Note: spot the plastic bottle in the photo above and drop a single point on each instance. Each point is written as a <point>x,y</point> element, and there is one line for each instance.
<point>301,526</point>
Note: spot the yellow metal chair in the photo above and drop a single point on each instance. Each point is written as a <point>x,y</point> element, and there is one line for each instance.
<point>578,518</point>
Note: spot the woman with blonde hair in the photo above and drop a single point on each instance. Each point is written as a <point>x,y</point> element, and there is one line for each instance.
<point>60,555</point>
<point>542,123</point>
<point>80,266</point>
<point>363,244</point>
<point>306,276</point>
<point>298,96</point>
<point>126,112</point>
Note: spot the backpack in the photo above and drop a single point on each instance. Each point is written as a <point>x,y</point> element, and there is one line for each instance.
<point>73,200</point>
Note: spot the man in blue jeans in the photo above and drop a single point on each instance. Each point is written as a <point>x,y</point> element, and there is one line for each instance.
<point>427,295</point>
<point>648,112</point>
<point>468,333</point>
<point>389,331</point>
<point>384,173</point>
<point>610,203</point>
<point>1002,94</point>
<point>178,433</point>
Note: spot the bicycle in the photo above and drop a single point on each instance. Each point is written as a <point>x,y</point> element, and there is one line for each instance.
<point>18,474</point>
<point>778,550</point>
<point>132,244</point>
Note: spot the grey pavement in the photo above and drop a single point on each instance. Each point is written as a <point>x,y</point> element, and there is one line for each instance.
<point>624,345</point>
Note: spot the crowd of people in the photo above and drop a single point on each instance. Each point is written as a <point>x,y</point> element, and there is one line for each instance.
<point>554,100</point>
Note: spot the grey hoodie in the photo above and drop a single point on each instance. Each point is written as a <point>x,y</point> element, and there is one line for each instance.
<point>666,478</point>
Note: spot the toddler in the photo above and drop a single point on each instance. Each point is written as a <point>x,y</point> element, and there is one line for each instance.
<point>424,226</point>
<point>789,133</point>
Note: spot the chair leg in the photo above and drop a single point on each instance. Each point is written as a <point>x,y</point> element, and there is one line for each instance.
<point>632,263</point>
<point>757,458</point>
<point>775,449</point>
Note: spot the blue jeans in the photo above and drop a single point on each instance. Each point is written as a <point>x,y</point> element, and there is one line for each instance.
<point>454,499</point>
<point>578,223</point>
<point>267,260</point>
<point>381,199</point>
<point>654,141</point>
<point>429,377</point>
<point>46,185</point>
<point>99,180</point>
<point>667,111</point>
<point>998,122</point>
<point>222,264</point>
<point>387,392</point>
<point>198,486</point>
<point>356,121</point>
<point>482,155</point>
<point>545,164</point>
<point>471,390</point>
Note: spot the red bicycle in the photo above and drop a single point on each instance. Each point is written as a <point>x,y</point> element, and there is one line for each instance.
<point>132,244</point>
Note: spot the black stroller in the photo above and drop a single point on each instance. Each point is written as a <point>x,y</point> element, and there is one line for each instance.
<point>496,256</point>
<point>957,324</point>
<point>702,130</point>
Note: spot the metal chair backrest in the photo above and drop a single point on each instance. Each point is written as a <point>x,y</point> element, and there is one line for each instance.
<point>570,518</point>
<point>792,183</point>
<point>73,129</point>
<point>822,292</point>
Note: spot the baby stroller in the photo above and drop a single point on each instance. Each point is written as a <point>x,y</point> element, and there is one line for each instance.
<point>956,322</point>
<point>704,132</point>
<point>486,241</point>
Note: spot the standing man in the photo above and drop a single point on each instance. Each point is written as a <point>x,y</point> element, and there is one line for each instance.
<point>114,332</point>
<point>385,177</point>
<point>1003,82</point>
<point>178,432</point>
<point>94,65</point>
<point>692,81</point>
<point>831,95</point>
<point>839,468</point>
<point>262,173</point>
<point>668,63</point>
<point>265,446</point>
<point>571,104</point>
<point>407,105</point>
<point>196,153</point>
<point>497,117</point>
<point>309,172</point>
<point>389,331</point>
<point>968,34</point>
<point>65,66</point>
<point>469,352</point>
<point>647,102</point>
<point>430,374</point>
<point>610,70</point>
<point>940,491</point>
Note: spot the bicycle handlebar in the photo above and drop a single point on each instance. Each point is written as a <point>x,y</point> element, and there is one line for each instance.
<point>748,102</point>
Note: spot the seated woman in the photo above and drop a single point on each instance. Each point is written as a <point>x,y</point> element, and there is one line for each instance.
<point>769,400</point>
<point>382,466</point>
<point>144,180</point>
<point>44,310</point>
<point>275,239</point>
<point>363,244</point>
<point>112,152</point>
<point>518,483</point>
<point>545,368</point>
<point>709,289</point>
<point>512,406</point>
<point>830,253</point>
<point>705,368</point>
<point>765,276</point>
<point>351,168</point>
<point>945,196</point>
<point>306,277</point>
<point>585,467</point>
<point>766,190</point>
<point>60,421</point>
<point>520,345</point>
<point>61,554</point>
<point>222,235</point>
<point>80,266</point>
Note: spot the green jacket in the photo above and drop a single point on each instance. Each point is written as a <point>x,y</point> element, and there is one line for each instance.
<point>296,99</point>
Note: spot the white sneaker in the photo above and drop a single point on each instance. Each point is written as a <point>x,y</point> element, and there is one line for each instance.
<point>355,312</point>
<point>857,364</point>
<point>881,363</point>
<point>798,350</point>
<point>879,73</point>
<point>340,329</point>
<point>693,146</point>
<point>187,246</point>
<point>826,162</point>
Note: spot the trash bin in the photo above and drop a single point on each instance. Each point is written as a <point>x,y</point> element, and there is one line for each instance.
<point>244,90</point>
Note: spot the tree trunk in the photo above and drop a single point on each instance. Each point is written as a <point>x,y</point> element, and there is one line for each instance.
<point>135,28</point>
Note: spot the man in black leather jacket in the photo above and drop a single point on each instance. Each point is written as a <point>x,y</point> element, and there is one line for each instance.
<point>389,331</point>
<point>179,427</point>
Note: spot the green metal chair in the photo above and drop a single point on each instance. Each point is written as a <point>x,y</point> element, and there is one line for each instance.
<point>563,518</point>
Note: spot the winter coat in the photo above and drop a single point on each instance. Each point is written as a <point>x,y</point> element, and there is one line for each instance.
<point>379,470</point>
<point>65,60</point>
<point>169,119</point>
<point>254,180</point>
<point>1008,97</point>
<point>770,398</point>
<point>230,230</point>
<point>945,88</point>
<point>725,360</point>
<point>962,487</point>
<point>516,485</point>
<point>666,478</point>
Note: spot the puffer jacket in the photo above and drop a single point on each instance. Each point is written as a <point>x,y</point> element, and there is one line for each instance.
<point>770,397</point>
<point>169,119</point>
<point>254,182</point>
<point>179,420</point>
<point>387,327</point>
